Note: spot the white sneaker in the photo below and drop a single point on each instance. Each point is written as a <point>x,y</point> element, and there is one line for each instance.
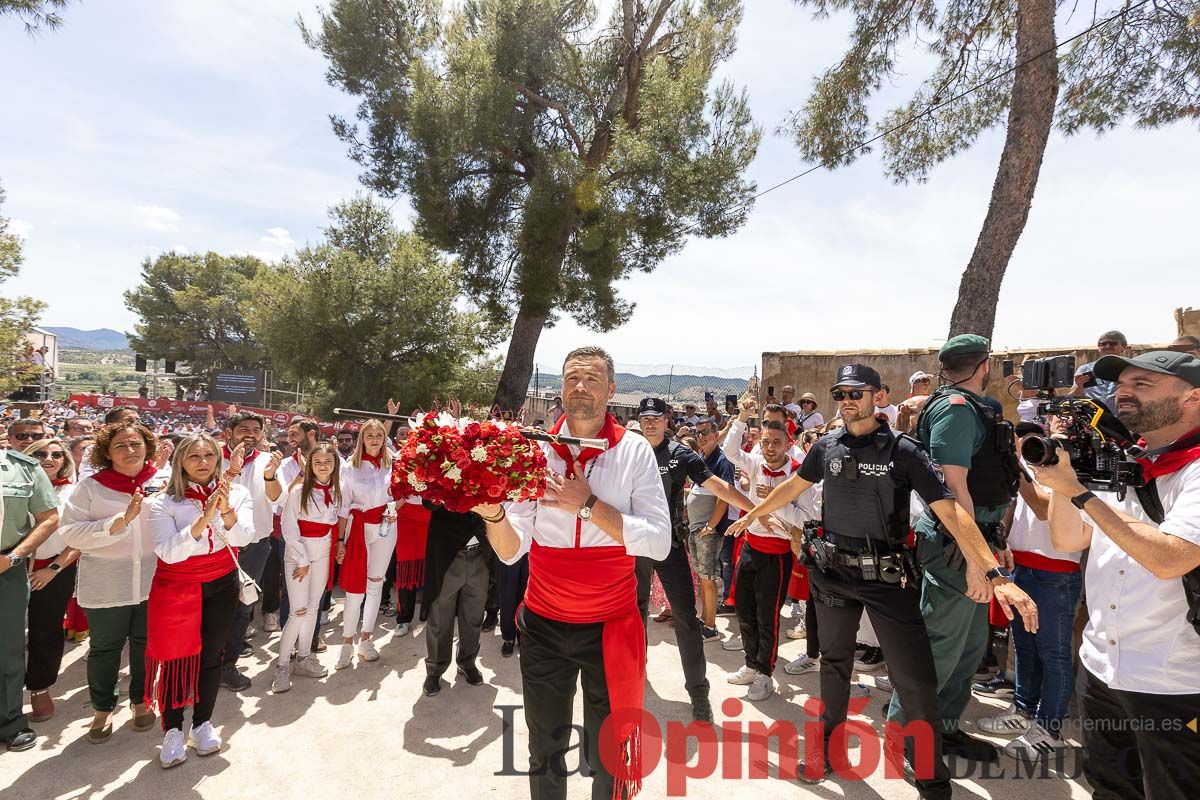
<point>309,667</point>
<point>282,681</point>
<point>1009,722</point>
<point>798,631</point>
<point>743,677</point>
<point>733,643</point>
<point>884,683</point>
<point>403,628</point>
<point>205,740</point>
<point>801,665</point>
<point>346,657</point>
<point>173,751</point>
<point>271,622</point>
<point>366,649</point>
<point>762,687</point>
<point>1034,744</point>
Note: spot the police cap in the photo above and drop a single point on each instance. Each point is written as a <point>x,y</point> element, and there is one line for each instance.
<point>652,407</point>
<point>857,376</point>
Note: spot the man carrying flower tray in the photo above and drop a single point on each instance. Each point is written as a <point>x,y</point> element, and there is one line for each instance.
<point>580,617</point>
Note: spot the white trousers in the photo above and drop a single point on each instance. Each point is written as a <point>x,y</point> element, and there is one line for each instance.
<point>304,598</point>
<point>379,553</point>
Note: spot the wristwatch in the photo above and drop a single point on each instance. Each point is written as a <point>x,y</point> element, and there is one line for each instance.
<point>585,511</point>
<point>998,572</point>
<point>15,560</point>
<point>1080,500</point>
<point>54,566</point>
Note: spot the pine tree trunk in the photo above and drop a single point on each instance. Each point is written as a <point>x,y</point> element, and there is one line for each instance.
<point>518,364</point>
<point>1034,93</point>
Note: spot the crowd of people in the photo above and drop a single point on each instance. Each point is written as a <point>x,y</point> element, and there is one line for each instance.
<point>170,538</point>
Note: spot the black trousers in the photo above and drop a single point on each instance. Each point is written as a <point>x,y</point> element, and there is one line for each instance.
<point>812,642</point>
<point>272,578</point>
<point>895,614</point>
<point>47,607</point>
<point>406,605</point>
<point>219,599</point>
<point>762,581</point>
<point>253,558</point>
<point>1137,745</point>
<point>492,603</point>
<point>512,578</point>
<point>675,574</point>
<point>555,657</point>
<point>461,598</point>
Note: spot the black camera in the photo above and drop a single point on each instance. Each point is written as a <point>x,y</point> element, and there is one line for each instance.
<point>1098,445</point>
<point>1048,374</point>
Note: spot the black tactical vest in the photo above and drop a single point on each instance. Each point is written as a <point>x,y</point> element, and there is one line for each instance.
<point>992,478</point>
<point>860,498</point>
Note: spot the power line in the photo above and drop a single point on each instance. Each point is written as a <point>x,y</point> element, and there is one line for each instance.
<point>935,107</point>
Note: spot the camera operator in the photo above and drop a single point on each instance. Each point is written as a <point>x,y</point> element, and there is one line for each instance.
<point>1139,648</point>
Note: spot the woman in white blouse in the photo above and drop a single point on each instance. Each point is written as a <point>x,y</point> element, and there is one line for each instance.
<point>196,522</point>
<point>52,584</point>
<point>309,522</point>
<point>367,538</point>
<point>104,520</point>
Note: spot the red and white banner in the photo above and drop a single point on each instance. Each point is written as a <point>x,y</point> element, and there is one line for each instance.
<point>200,410</point>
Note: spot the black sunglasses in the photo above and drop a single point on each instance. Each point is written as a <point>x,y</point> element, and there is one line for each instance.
<point>853,394</point>
<point>29,437</point>
<point>57,455</point>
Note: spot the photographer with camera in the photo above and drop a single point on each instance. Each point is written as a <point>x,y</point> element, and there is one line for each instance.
<point>1141,646</point>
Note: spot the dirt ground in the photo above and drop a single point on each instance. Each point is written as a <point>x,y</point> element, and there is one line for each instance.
<point>369,731</point>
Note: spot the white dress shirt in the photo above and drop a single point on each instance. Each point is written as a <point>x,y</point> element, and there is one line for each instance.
<point>289,469</point>
<point>261,506</point>
<point>54,544</point>
<point>364,487</point>
<point>1137,637</point>
<point>171,522</point>
<point>1032,535</point>
<point>761,484</point>
<point>295,551</point>
<point>113,570</point>
<point>624,477</point>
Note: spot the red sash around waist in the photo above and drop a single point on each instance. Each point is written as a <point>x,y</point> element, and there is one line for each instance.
<point>772,545</point>
<point>353,577</point>
<point>598,584</point>
<point>310,529</point>
<point>1024,558</point>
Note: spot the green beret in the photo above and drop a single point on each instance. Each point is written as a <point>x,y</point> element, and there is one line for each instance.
<point>965,343</point>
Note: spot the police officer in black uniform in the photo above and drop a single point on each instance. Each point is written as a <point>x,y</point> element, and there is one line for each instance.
<point>860,559</point>
<point>676,463</point>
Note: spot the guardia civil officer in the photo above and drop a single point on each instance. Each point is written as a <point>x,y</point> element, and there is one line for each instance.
<point>676,463</point>
<point>29,509</point>
<point>867,471</point>
<point>973,447</point>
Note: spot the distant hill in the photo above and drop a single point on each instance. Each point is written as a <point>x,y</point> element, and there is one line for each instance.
<point>102,339</point>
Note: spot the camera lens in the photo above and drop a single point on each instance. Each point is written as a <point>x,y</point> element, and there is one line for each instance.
<point>1040,451</point>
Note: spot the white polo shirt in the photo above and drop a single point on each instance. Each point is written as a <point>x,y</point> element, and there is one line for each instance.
<point>1138,638</point>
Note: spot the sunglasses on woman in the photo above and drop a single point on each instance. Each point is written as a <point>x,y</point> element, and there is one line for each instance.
<point>55,455</point>
<point>840,395</point>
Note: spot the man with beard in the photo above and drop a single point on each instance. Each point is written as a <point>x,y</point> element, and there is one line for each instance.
<point>1142,641</point>
<point>580,617</point>
<point>974,450</point>
<point>867,472</point>
<point>250,468</point>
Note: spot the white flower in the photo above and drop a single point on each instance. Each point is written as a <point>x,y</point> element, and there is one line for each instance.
<point>479,453</point>
<point>454,474</point>
<point>422,448</point>
<point>414,482</point>
<point>514,494</point>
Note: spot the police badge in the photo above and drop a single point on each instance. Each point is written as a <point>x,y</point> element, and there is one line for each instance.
<point>835,467</point>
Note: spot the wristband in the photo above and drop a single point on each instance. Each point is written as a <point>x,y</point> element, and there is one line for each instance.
<point>1080,500</point>
<point>496,519</point>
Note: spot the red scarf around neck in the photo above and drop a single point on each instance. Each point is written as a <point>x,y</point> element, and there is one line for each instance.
<point>376,461</point>
<point>56,482</point>
<point>1177,456</point>
<point>119,482</point>
<point>246,459</point>
<point>326,490</point>
<point>610,431</point>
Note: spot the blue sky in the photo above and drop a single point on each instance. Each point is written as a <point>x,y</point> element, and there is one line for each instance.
<point>143,126</point>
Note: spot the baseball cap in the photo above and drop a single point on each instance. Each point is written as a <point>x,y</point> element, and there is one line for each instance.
<point>652,407</point>
<point>919,375</point>
<point>857,376</point>
<point>1166,362</point>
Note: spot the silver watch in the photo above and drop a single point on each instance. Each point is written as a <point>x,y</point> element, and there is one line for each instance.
<point>15,560</point>
<point>585,511</point>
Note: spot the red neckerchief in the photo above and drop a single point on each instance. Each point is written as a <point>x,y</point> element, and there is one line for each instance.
<point>327,490</point>
<point>771,473</point>
<point>610,431</point>
<point>247,459</point>
<point>200,492</point>
<point>1172,460</point>
<point>111,479</point>
<point>375,461</point>
<point>56,482</point>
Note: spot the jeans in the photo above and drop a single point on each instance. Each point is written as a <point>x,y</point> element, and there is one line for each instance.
<point>513,579</point>
<point>1045,670</point>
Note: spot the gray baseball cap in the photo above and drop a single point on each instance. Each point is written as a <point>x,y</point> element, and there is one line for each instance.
<point>1167,362</point>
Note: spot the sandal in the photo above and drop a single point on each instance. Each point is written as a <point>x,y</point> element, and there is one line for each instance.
<point>664,616</point>
<point>143,722</point>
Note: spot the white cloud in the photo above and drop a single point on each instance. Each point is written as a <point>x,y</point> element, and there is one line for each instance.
<point>20,228</point>
<point>278,237</point>
<point>158,218</point>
